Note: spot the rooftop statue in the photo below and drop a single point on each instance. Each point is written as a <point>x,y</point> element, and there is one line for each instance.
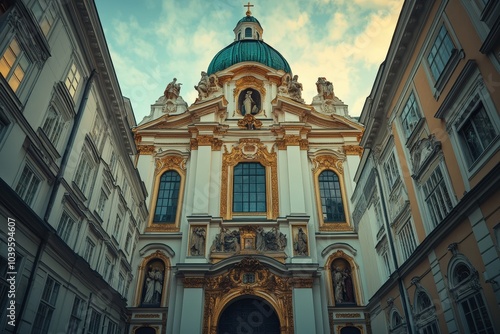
<point>173,90</point>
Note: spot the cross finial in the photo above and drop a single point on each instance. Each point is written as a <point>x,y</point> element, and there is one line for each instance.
<point>248,8</point>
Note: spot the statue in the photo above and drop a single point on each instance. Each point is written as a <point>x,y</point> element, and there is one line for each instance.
<point>203,86</point>
<point>300,245</point>
<point>324,88</point>
<point>173,90</point>
<point>249,106</point>
<point>338,285</point>
<point>198,242</point>
<point>153,286</point>
<point>343,285</point>
<point>295,89</point>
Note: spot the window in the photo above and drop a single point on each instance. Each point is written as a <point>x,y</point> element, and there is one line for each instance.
<point>387,264</point>
<point>168,197</point>
<point>378,215</point>
<point>27,185</point>
<point>410,116</point>
<point>53,126</point>
<point>425,312</point>
<point>88,251</point>
<point>437,197</point>
<point>121,280</point>
<point>76,315</point>
<point>95,322</point>
<point>13,65</point>
<point>331,197</point>
<point>441,52</point>
<point>65,226</point>
<point>391,171</point>
<point>112,163</point>
<point>476,133</point>
<point>45,14</point>
<point>248,32</point>
<point>107,266</point>
<point>406,240</point>
<point>98,130</point>
<point>112,327</point>
<point>116,229</point>
<point>249,188</point>
<point>46,307</point>
<point>128,242</point>
<point>101,204</point>
<point>466,290</point>
<point>83,173</point>
<point>73,80</point>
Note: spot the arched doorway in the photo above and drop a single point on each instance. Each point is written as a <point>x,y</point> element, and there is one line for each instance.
<point>248,315</point>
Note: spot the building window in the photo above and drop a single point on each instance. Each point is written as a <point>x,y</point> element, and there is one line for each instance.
<point>76,315</point>
<point>46,307</point>
<point>437,196</point>
<point>116,229</point>
<point>107,266</point>
<point>112,163</point>
<point>391,171</point>
<point>98,130</point>
<point>13,65</point>
<point>425,312</point>
<point>476,133</point>
<point>464,280</point>
<point>88,251</point>
<point>441,52</point>
<point>28,184</point>
<point>168,198</point>
<point>406,240</point>
<point>83,173</point>
<point>95,322</point>
<point>45,13</point>
<point>65,227</point>
<point>331,197</point>
<point>410,116</point>
<point>53,126</point>
<point>121,280</point>
<point>101,204</point>
<point>248,32</point>
<point>378,215</point>
<point>73,80</point>
<point>249,188</point>
<point>112,327</point>
<point>387,264</point>
<point>128,242</point>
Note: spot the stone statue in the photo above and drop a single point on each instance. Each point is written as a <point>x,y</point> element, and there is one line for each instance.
<point>338,285</point>
<point>154,286</point>
<point>300,245</point>
<point>173,90</point>
<point>324,88</point>
<point>226,241</point>
<point>260,242</point>
<point>348,287</point>
<point>249,106</point>
<point>198,241</point>
<point>295,88</point>
<point>203,86</point>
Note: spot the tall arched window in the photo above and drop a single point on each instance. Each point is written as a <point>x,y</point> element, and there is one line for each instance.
<point>425,312</point>
<point>331,197</point>
<point>249,188</point>
<point>168,197</point>
<point>248,32</point>
<point>466,289</point>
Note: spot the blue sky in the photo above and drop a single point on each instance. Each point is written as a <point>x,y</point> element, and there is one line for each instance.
<point>152,41</point>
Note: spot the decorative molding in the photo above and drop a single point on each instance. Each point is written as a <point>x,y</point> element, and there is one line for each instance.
<point>328,162</point>
<point>206,140</point>
<point>353,150</point>
<point>249,122</point>
<point>146,149</point>
<point>193,282</point>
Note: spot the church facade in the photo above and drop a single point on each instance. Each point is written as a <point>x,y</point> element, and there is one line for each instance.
<point>249,203</point>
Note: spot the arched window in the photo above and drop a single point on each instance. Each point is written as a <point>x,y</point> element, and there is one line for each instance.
<point>466,289</point>
<point>425,312</point>
<point>168,197</point>
<point>331,197</point>
<point>249,187</point>
<point>248,32</point>
<point>397,325</point>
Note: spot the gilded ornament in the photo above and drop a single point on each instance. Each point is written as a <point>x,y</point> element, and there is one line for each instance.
<point>170,162</point>
<point>249,122</point>
<point>146,149</point>
<point>353,150</point>
<point>193,282</point>
<point>328,161</point>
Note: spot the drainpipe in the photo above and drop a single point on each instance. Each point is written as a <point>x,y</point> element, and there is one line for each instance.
<point>52,198</point>
<point>390,238</point>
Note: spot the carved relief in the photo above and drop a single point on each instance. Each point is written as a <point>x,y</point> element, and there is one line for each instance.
<point>300,241</point>
<point>249,122</point>
<point>423,149</point>
<point>353,150</point>
<point>327,161</point>
<point>197,241</point>
<point>205,140</point>
<point>146,149</point>
<point>170,162</point>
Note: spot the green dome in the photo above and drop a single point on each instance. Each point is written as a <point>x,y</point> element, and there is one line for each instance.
<point>249,19</point>
<point>248,50</point>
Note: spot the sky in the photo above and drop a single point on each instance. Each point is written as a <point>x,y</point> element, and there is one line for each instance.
<point>153,41</point>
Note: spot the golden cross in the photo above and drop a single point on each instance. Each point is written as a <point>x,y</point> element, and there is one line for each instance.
<point>248,8</point>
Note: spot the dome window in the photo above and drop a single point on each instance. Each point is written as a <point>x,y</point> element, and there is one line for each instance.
<point>239,35</point>
<point>248,32</point>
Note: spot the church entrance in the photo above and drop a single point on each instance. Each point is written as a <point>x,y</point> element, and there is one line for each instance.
<point>248,315</point>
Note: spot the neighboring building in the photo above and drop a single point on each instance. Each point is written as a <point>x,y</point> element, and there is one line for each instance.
<point>426,204</point>
<point>67,173</point>
<point>249,200</point>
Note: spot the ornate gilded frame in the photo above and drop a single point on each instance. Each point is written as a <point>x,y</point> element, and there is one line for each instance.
<point>249,150</point>
<point>140,274</point>
<point>330,162</point>
<point>162,165</point>
<point>354,273</point>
